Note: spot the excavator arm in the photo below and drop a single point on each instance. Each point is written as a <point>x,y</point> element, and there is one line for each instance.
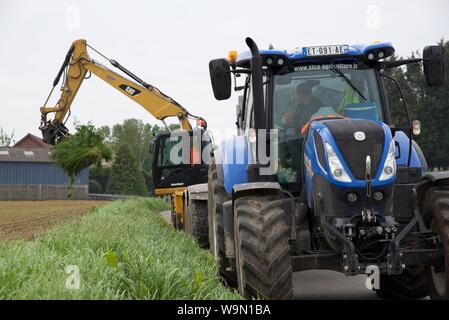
<point>77,65</point>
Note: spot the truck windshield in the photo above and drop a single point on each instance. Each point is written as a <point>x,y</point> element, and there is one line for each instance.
<point>321,90</point>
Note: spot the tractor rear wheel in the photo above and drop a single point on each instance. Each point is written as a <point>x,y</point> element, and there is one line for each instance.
<point>436,217</point>
<point>217,195</point>
<point>262,248</point>
<point>410,284</point>
<point>196,221</point>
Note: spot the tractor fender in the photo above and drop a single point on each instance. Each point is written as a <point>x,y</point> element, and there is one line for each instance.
<point>429,180</point>
<point>420,155</point>
<point>244,189</point>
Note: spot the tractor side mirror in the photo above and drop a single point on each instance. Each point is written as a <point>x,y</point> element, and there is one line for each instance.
<point>433,62</point>
<point>220,78</point>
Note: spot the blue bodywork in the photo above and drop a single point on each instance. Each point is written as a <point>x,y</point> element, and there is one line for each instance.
<point>402,152</point>
<point>234,157</point>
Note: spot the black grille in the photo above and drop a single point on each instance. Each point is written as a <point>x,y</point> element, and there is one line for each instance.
<point>355,152</point>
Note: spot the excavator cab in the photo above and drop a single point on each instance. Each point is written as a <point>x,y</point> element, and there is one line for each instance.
<point>180,159</point>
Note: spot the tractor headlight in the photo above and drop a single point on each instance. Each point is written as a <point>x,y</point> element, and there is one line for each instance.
<point>335,167</point>
<point>389,169</point>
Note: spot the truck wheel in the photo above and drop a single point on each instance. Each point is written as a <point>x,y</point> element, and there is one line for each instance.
<point>217,195</point>
<point>196,222</point>
<point>262,248</point>
<point>173,215</point>
<point>436,217</point>
<point>410,284</point>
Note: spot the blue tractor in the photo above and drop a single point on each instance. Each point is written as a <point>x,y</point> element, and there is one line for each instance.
<point>319,176</point>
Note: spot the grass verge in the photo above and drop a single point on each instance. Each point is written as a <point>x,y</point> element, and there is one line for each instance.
<point>122,251</point>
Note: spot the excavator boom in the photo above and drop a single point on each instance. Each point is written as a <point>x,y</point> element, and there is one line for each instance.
<point>77,65</point>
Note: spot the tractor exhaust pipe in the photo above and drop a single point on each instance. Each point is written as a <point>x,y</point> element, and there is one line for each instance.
<point>257,83</point>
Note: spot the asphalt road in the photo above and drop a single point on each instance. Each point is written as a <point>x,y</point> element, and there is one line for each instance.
<point>323,284</point>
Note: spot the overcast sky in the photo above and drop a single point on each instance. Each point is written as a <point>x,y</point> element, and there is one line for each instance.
<point>169,44</point>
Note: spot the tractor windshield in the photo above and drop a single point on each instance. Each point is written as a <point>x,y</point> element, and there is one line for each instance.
<point>318,90</point>
<point>325,90</point>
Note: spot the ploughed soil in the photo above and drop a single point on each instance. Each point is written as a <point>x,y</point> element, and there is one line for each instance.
<point>27,219</point>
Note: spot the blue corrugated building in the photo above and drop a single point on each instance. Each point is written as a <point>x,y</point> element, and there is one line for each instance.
<point>28,173</point>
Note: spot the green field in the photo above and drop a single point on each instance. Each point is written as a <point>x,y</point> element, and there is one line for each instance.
<point>122,251</point>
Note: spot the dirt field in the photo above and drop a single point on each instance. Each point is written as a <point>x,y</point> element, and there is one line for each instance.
<point>26,219</point>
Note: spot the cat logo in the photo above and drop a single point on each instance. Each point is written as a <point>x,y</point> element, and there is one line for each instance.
<point>129,90</point>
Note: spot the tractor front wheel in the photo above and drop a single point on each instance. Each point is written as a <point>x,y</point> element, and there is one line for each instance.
<point>262,248</point>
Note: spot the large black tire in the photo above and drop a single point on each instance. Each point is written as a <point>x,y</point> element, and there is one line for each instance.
<point>196,222</point>
<point>262,248</point>
<point>217,195</point>
<point>410,284</point>
<point>436,217</point>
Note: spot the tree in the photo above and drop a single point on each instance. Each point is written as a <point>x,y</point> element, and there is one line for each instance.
<point>138,136</point>
<point>105,131</point>
<point>126,177</point>
<point>433,112</point>
<point>429,105</point>
<point>6,140</point>
<point>100,174</point>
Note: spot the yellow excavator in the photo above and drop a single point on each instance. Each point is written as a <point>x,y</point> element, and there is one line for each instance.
<point>169,178</point>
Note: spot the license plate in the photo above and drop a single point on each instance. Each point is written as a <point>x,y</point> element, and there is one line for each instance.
<point>326,50</point>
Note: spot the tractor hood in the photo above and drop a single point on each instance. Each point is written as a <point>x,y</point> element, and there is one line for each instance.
<point>352,163</point>
<point>361,147</point>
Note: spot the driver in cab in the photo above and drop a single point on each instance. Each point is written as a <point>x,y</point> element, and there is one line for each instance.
<point>307,105</point>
